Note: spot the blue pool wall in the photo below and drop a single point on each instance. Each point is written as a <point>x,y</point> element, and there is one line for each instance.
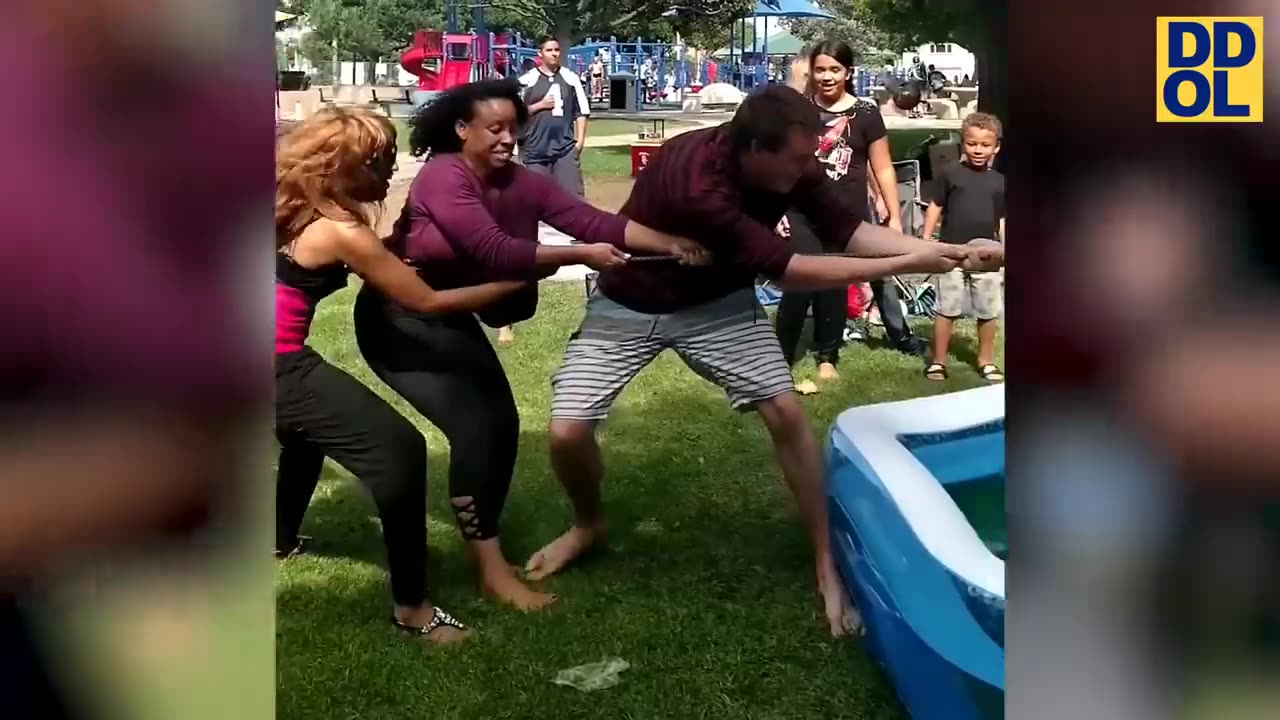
<point>922,621</point>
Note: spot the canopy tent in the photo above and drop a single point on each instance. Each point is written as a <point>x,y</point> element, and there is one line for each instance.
<point>771,9</point>
<point>780,42</point>
<point>790,9</point>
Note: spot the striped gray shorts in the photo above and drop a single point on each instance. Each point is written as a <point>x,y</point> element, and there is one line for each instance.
<point>729,342</point>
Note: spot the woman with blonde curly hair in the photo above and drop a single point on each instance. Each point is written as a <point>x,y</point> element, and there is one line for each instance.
<point>333,172</point>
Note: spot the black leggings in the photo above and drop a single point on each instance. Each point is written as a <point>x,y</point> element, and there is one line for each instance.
<point>322,411</point>
<point>829,306</point>
<point>447,370</point>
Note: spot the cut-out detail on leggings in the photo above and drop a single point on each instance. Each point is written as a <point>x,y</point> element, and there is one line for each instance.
<point>468,516</point>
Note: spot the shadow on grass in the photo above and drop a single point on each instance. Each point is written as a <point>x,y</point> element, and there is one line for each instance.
<point>709,489</point>
<point>964,348</point>
<point>705,587</point>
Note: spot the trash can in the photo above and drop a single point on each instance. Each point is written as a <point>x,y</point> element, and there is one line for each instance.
<point>622,93</point>
<point>640,154</point>
<point>293,80</point>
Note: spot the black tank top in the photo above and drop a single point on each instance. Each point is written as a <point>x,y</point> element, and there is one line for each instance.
<point>316,283</point>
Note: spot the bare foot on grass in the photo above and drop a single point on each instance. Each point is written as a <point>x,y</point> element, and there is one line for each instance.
<point>562,551</point>
<point>502,585</point>
<point>506,335</point>
<point>842,617</point>
<point>827,371</point>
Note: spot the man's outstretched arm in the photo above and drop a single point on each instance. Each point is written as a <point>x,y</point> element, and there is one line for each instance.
<point>870,240</point>
<point>873,241</point>
<point>815,272</point>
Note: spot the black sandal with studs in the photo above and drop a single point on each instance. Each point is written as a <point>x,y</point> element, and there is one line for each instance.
<point>439,618</point>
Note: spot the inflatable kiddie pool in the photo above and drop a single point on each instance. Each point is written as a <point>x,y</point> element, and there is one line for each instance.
<point>916,492</point>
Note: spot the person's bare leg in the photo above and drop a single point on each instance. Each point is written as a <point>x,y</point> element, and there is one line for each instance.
<point>942,328</point>
<point>497,578</point>
<point>577,462</point>
<point>986,342</point>
<point>799,455</point>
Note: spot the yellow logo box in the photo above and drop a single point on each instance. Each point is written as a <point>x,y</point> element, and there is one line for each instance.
<point>1209,69</point>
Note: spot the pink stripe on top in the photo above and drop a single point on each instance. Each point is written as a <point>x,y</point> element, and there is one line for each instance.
<point>293,318</point>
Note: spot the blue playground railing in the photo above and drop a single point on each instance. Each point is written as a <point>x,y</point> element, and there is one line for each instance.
<point>623,57</point>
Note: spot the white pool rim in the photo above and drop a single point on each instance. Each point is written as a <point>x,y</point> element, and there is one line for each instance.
<point>928,509</point>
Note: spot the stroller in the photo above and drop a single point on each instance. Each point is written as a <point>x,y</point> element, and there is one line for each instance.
<point>919,295</point>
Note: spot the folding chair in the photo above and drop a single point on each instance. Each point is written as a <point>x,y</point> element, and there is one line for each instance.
<point>919,295</point>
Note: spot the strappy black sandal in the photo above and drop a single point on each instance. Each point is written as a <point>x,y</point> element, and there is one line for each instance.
<point>439,618</point>
<point>991,373</point>
<point>294,550</point>
<point>936,369</point>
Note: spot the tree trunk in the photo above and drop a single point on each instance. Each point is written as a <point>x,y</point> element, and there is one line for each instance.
<point>562,30</point>
<point>992,60</point>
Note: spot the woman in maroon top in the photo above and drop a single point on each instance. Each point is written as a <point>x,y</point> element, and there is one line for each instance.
<point>472,217</point>
<point>331,170</point>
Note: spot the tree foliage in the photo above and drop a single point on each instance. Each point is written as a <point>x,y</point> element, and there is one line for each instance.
<point>872,43</point>
<point>915,22</point>
<point>575,20</point>
<point>977,25</point>
<point>371,29</point>
<point>364,29</point>
<point>896,25</point>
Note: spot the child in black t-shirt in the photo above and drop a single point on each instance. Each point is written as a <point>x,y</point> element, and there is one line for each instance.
<point>970,203</point>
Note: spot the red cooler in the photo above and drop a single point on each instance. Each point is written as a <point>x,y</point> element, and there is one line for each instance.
<point>640,154</point>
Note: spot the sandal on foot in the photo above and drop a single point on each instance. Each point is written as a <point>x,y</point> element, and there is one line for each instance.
<point>439,619</point>
<point>991,373</point>
<point>296,549</point>
<point>936,372</point>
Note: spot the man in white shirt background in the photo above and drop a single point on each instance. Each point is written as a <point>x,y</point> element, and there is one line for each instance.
<point>552,140</point>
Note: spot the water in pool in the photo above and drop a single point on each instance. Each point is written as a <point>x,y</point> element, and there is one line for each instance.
<point>982,502</point>
<point>970,465</point>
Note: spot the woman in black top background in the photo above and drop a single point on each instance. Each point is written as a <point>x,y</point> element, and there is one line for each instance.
<point>854,140</point>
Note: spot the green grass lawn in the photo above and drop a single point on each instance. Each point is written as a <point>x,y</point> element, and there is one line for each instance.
<point>705,589</point>
<point>601,126</point>
<point>615,162</point>
<point>600,163</point>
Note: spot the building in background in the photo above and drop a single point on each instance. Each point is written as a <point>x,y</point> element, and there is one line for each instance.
<point>947,58</point>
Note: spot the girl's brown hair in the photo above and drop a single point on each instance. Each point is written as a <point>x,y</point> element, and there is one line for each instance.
<point>323,163</point>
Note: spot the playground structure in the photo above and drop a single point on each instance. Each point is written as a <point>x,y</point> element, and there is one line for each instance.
<point>442,59</point>
<point>749,67</point>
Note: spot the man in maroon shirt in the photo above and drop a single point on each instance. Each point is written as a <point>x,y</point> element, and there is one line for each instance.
<point>727,188</point>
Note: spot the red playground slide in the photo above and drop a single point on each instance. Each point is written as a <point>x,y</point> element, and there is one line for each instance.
<point>439,60</point>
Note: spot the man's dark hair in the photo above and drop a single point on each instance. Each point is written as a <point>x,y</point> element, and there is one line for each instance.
<point>768,116</point>
<point>542,41</point>
<point>433,127</point>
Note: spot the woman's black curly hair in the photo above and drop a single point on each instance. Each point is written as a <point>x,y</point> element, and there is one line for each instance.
<point>433,127</point>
